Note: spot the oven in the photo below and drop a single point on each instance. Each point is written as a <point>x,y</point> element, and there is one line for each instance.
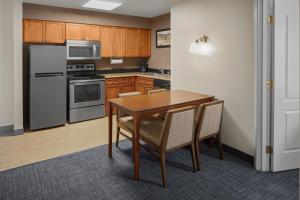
<point>85,93</point>
<point>86,99</point>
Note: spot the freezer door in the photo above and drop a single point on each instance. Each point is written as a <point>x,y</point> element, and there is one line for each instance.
<point>47,100</point>
<point>46,59</point>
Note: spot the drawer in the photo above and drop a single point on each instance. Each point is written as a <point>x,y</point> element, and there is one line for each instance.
<point>145,81</point>
<point>128,80</point>
<point>113,81</point>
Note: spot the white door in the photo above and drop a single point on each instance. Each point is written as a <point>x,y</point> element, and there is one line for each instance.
<point>286,131</point>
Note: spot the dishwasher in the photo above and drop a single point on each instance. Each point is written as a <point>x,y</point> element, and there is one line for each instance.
<point>159,83</point>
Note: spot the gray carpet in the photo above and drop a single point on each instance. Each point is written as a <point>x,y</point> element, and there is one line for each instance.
<point>91,174</point>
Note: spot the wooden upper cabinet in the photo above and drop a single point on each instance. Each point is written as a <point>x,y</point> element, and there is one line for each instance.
<point>91,32</point>
<point>132,42</point>
<point>33,31</point>
<point>145,42</point>
<point>106,41</point>
<point>55,32</point>
<point>74,31</point>
<point>115,41</point>
<point>119,41</point>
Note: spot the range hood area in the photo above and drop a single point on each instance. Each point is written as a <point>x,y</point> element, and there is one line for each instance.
<point>83,50</point>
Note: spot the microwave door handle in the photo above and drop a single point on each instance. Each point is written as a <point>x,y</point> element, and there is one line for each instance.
<point>94,51</point>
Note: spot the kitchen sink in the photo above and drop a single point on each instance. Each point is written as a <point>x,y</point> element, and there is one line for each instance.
<point>155,74</point>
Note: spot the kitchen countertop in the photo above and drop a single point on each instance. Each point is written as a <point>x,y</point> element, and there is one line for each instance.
<point>147,75</point>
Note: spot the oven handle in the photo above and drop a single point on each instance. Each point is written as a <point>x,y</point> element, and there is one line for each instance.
<point>85,82</point>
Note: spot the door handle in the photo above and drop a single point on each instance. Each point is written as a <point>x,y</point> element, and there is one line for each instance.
<point>40,75</point>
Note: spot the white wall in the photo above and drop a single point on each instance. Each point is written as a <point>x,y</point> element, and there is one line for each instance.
<point>18,66</point>
<point>160,57</point>
<point>6,69</point>
<point>229,72</point>
<point>11,108</point>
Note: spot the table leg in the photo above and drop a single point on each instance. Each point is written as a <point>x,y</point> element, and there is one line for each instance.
<point>136,146</point>
<point>110,112</point>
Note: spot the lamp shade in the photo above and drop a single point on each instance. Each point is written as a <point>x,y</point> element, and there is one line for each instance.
<point>201,48</point>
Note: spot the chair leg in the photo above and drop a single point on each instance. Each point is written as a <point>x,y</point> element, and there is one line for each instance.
<point>211,142</point>
<point>197,155</point>
<point>118,135</point>
<point>220,147</point>
<point>163,168</point>
<point>132,150</point>
<point>193,152</point>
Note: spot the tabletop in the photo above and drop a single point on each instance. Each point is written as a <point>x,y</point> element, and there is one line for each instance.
<point>158,100</point>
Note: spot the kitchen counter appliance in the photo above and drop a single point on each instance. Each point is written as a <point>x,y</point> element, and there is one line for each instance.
<point>143,67</point>
<point>86,93</point>
<point>47,86</point>
<point>83,50</point>
<point>162,84</point>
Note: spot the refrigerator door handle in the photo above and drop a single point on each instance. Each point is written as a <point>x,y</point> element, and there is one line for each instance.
<point>40,75</point>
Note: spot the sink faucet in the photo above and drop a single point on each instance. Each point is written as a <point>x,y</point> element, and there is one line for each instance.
<point>161,70</point>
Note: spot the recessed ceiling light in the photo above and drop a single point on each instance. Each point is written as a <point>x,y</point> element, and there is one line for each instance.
<point>102,4</point>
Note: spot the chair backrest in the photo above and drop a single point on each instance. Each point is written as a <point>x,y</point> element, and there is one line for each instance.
<point>179,127</point>
<point>209,118</point>
<point>127,94</point>
<point>156,91</point>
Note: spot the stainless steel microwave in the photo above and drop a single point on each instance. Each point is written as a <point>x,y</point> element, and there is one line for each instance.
<point>83,50</point>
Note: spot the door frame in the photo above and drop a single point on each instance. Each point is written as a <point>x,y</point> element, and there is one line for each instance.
<point>264,41</point>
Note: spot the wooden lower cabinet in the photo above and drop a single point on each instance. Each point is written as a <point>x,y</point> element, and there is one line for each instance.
<point>143,85</point>
<point>127,88</point>
<point>143,89</point>
<point>139,88</point>
<point>114,86</point>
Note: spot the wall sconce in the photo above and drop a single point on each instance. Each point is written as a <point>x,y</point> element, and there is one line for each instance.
<point>201,46</point>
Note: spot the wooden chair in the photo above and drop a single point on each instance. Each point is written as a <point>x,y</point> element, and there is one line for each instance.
<point>159,115</point>
<point>209,119</point>
<point>156,91</point>
<point>124,121</point>
<point>175,132</point>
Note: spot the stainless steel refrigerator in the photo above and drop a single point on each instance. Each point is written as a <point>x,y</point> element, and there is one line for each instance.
<point>47,86</point>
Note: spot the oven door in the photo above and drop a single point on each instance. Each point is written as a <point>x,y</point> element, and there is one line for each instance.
<point>84,93</point>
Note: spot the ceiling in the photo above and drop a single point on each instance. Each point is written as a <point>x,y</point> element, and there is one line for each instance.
<point>142,8</point>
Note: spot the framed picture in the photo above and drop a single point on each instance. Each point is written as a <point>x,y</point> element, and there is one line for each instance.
<point>163,38</point>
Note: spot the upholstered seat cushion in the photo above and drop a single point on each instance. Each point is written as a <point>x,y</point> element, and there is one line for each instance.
<point>151,131</point>
<point>126,121</point>
<point>150,128</point>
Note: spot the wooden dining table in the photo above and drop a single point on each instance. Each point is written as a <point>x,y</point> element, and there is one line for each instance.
<point>143,106</point>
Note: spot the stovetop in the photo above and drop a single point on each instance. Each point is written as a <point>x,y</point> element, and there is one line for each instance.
<point>82,72</point>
